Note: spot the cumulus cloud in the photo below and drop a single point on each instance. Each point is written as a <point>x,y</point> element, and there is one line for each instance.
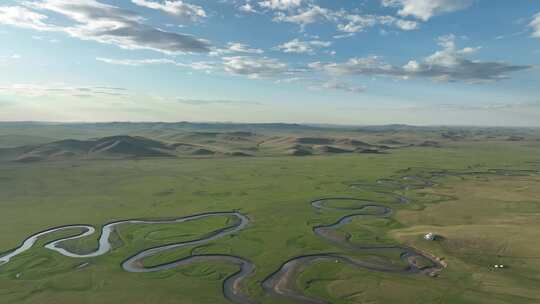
<point>254,67</point>
<point>305,16</point>
<point>446,65</point>
<point>346,22</point>
<point>302,47</point>
<point>235,47</point>
<point>104,23</point>
<point>24,18</point>
<point>371,65</point>
<point>357,23</point>
<point>352,23</point>
<point>242,48</point>
<point>177,8</point>
<point>251,66</point>
<point>425,9</point>
<point>247,8</point>
<point>281,4</point>
<point>535,25</point>
<point>405,25</point>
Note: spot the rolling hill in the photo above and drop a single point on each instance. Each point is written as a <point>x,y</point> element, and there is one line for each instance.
<point>101,148</point>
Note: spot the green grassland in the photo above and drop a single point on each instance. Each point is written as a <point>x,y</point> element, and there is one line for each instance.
<point>483,220</point>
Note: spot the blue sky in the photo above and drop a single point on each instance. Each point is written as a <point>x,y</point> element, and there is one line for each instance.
<point>453,62</point>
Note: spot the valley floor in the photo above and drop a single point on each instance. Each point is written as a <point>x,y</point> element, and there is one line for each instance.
<point>481,198</point>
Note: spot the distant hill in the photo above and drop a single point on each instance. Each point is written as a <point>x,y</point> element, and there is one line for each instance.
<point>32,141</point>
<point>102,148</point>
<point>304,146</point>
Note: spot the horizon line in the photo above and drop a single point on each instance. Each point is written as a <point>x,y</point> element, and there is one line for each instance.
<point>268,123</point>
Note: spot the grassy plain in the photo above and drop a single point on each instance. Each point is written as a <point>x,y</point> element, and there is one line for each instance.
<point>493,219</point>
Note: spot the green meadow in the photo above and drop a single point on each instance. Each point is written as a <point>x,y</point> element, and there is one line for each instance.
<point>483,220</point>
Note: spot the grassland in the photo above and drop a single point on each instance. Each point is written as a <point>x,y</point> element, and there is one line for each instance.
<point>483,219</point>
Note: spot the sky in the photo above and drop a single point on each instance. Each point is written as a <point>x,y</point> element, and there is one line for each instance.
<point>354,62</point>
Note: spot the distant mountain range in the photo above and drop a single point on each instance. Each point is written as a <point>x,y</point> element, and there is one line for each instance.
<point>34,141</point>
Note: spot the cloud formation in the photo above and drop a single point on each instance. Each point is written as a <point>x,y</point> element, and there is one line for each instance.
<point>243,48</point>
<point>135,62</point>
<point>194,65</point>
<point>353,23</point>
<point>303,47</point>
<point>446,65</point>
<point>426,9</point>
<point>345,21</point>
<point>177,8</point>
<point>254,67</point>
<point>237,47</point>
<point>107,22</point>
<point>104,23</point>
<point>22,17</point>
<point>535,25</point>
<point>305,16</point>
<point>281,4</point>
<point>247,8</point>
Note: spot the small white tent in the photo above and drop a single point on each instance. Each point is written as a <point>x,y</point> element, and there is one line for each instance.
<point>430,236</point>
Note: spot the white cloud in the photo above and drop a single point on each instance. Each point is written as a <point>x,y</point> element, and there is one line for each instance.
<point>306,16</point>
<point>135,62</point>
<point>242,48</point>
<point>357,23</point>
<point>446,65</point>
<point>281,4</point>
<point>289,80</point>
<point>535,25</point>
<point>199,65</point>
<point>247,8</point>
<point>24,18</point>
<point>343,36</point>
<point>303,47</point>
<point>425,9</point>
<point>104,23</point>
<point>196,65</point>
<point>406,25</point>
<point>235,47</point>
<point>346,22</point>
<point>352,23</point>
<point>177,8</point>
<point>254,67</point>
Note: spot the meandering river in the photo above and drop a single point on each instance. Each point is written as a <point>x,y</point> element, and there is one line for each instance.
<point>281,283</point>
